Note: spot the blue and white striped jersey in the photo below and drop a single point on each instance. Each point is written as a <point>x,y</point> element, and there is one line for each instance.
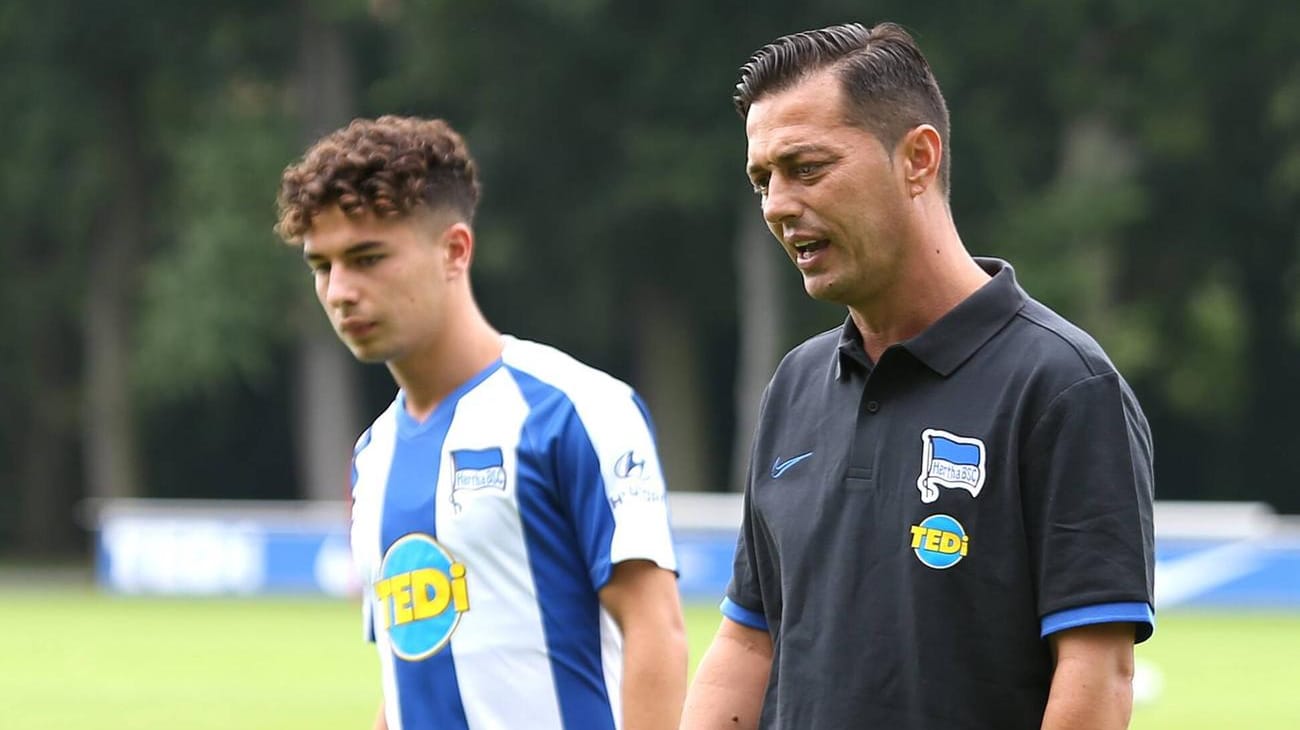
<point>483,534</point>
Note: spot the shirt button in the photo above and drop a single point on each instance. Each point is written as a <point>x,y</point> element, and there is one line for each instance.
<point>872,406</point>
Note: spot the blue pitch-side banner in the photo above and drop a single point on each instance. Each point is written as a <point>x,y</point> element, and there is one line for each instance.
<point>1233,573</point>
<point>173,553</point>
<point>198,552</point>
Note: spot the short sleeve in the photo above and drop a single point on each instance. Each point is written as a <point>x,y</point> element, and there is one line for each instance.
<point>1087,489</point>
<point>611,484</point>
<point>367,599</point>
<point>744,599</point>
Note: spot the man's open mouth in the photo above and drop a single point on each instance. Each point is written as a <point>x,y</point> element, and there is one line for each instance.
<point>808,248</point>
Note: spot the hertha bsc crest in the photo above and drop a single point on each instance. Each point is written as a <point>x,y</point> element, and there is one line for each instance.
<point>477,470</point>
<point>951,461</point>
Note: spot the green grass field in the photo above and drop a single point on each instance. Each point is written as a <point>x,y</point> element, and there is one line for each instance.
<point>74,658</point>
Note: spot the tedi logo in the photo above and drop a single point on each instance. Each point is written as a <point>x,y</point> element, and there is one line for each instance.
<point>939,541</point>
<point>420,597</point>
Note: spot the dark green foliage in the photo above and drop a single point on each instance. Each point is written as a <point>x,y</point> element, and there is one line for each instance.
<point>1139,163</point>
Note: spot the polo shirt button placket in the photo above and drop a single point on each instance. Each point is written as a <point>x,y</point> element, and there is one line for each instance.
<point>873,406</point>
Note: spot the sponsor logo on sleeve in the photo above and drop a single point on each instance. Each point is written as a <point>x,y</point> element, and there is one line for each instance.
<point>633,480</point>
<point>950,461</point>
<point>630,466</point>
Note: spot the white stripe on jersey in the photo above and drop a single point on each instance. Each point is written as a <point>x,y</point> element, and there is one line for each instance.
<point>499,648</point>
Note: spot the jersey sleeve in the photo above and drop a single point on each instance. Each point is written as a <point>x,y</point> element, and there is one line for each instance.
<point>743,602</point>
<point>611,484</point>
<point>1087,491</point>
<point>367,597</point>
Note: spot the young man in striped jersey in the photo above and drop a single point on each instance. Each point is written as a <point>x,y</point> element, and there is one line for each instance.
<point>509,518</point>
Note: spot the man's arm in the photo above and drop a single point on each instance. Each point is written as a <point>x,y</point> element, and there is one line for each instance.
<point>1092,685</point>
<point>642,598</point>
<point>730,682</point>
<point>381,722</point>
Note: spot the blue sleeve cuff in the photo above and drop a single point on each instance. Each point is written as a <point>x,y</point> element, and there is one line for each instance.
<point>742,615</point>
<point>1138,613</point>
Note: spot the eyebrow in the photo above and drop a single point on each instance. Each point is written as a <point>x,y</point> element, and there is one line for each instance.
<point>360,247</point>
<point>789,155</point>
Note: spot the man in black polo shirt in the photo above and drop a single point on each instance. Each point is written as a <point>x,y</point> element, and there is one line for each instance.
<point>948,515</point>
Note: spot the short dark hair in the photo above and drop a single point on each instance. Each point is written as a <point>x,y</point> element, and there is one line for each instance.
<point>887,81</point>
<point>388,166</point>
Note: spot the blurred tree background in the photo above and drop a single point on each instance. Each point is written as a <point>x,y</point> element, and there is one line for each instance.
<point>1139,163</point>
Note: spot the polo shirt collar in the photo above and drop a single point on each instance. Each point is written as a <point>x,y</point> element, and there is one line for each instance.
<point>850,353</point>
<point>950,341</point>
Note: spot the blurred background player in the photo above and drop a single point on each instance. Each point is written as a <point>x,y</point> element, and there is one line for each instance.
<point>948,513</point>
<point>509,517</point>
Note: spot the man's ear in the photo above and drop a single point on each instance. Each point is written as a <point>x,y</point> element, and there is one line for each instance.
<point>921,152</point>
<point>458,248</point>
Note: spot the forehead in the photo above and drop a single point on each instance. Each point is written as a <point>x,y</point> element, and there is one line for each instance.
<point>333,232</point>
<point>809,112</point>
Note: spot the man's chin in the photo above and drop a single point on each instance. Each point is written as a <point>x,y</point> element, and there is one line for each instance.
<point>823,290</point>
<point>368,355</point>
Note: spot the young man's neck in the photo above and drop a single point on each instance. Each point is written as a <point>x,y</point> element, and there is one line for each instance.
<point>466,347</point>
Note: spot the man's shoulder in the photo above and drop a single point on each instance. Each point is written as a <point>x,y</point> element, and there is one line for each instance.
<point>1044,340</point>
<point>383,427</point>
<point>569,399</point>
<point>813,354</point>
<point>549,368</point>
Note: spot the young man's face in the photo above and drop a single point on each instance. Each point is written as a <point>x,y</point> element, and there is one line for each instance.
<point>830,191</point>
<point>383,283</point>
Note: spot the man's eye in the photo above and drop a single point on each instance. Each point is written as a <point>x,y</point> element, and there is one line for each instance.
<point>806,169</point>
<point>760,186</point>
<point>318,267</point>
<point>368,261</point>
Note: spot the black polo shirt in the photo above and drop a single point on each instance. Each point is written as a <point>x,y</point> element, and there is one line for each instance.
<point>915,527</point>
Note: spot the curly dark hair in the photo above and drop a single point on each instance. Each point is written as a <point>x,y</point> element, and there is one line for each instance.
<point>390,166</point>
<point>886,79</point>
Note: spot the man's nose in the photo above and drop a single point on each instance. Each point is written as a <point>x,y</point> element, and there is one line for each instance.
<point>780,204</point>
<point>339,288</point>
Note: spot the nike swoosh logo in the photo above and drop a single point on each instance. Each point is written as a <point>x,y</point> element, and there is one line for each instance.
<point>779,467</point>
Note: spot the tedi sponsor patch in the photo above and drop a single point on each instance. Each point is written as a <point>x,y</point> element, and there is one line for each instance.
<point>951,461</point>
<point>939,541</point>
<point>420,596</point>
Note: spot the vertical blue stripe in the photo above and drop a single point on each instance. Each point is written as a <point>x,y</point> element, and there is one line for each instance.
<point>428,690</point>
<point>568,527</point>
